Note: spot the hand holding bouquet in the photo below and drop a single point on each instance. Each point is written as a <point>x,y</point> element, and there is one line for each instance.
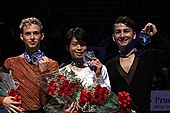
<point>9,88</point>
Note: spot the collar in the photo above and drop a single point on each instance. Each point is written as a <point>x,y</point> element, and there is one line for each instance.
<point>134,50</point>
<point>34,58</point>
<point>79,64</point>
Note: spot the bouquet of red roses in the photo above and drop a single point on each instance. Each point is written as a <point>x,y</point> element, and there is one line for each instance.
<point>97,99</point>
<point>9,87</point>
<point>62,86</point>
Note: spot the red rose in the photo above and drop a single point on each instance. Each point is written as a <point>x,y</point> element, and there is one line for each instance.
<point>123,99</point>
<point>83,97</point>
<point>15,93</point>
<point>62,77</point>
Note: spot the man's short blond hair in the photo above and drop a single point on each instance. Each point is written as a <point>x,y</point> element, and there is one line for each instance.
<point>26,22</point>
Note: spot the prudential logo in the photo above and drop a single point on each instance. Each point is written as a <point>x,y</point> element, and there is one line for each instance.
<point>160,100</point>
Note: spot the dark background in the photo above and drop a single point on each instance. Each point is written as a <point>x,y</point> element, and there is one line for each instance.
<point>58,16</point>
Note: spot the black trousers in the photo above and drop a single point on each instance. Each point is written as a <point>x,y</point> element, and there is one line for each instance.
<point>41,110</point>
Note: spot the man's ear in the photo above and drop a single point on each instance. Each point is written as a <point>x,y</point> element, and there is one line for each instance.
<point>21,37</point>
<point>113,37</point>
<point>42,36</point>
<point>67,47</point>
<point>134,36</point>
